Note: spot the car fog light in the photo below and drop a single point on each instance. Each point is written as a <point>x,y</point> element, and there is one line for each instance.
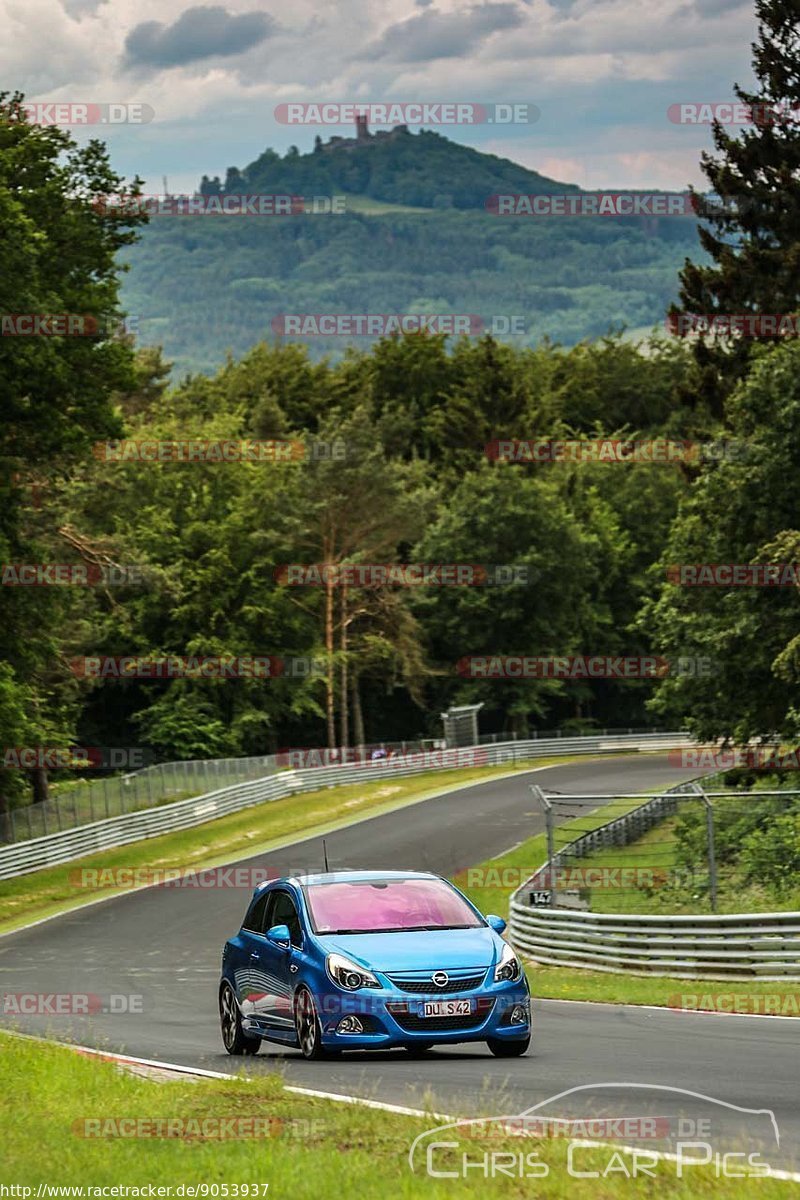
<point>519,1015</point>
<point>350,1025</point>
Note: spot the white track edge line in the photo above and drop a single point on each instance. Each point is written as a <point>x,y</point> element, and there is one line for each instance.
<point>787,1176</point>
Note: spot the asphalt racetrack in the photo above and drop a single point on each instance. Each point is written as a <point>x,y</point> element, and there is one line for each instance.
<point>163,944</point>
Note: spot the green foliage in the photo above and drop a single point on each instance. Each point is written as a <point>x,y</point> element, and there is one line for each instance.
<point>205,286</point>
<point>751,230</point>
<point>740,509</point>
<point>771,853</point>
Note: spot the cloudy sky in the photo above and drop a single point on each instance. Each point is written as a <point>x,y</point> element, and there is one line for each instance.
<point>602,72</point>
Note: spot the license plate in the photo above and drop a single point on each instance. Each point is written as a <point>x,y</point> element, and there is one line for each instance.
<point>446,1008</point>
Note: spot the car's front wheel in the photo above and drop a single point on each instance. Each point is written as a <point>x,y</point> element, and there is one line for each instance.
<point>307,1026</point>
<point>501,1048</point>
<point>234,1039</point>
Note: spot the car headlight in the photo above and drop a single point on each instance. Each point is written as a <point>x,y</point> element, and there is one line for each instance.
<point>348,974</point>
<point>508,969</point>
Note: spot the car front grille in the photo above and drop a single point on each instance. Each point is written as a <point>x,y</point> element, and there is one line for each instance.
<point>413,1023</point>
<point>424,986</point>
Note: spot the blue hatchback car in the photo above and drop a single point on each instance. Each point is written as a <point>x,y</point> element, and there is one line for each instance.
<point>370,960</point>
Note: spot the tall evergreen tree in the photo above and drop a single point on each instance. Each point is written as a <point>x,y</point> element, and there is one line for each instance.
<point>753,213</point>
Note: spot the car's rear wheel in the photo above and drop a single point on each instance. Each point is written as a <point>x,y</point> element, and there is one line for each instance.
<point>234,1039</point>
<point>505,1049</point>
<point>307,1026</point>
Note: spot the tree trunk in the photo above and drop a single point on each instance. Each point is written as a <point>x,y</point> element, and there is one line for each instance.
<point>358,716</point>
<point>344,711</point>
<point>329,679</point>
<point>39,783</point>
<point>5,820</point>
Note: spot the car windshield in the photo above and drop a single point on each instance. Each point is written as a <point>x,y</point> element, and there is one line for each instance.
<point>387,906</point>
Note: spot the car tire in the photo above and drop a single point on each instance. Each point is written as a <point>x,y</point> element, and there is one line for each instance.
<point>234,1039</point>
<point>501,1048</point>
<point>307,1026</point>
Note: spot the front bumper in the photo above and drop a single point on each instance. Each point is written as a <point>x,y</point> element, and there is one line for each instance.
<point>390,1017</point>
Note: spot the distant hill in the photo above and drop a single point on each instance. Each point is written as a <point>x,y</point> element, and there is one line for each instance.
<point>415,238</point>
<point>423,170</point>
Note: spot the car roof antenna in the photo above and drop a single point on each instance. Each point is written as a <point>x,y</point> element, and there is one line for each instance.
<point>325,855</point>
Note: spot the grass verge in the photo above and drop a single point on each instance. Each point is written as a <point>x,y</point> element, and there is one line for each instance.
<point>490,885</point>
<point>252,831</point>
<point>52,1098</point>
<point>682,892</point>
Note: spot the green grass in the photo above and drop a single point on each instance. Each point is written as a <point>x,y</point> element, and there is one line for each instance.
<point>573,983</point>
<point>316,1148</point>
<point>252,831</point>
<point>658,848</point>
<point>502,875</point>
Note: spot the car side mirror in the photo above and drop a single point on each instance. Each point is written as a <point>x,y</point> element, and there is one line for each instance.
<point>496,923</point>
<point>280,936</point>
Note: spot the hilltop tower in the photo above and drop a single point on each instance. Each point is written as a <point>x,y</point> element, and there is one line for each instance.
<point>362,133</point>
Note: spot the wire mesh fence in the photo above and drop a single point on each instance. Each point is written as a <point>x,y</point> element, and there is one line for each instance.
<point>81,802</point>
<point>683,851</point>
<point>74,803</point>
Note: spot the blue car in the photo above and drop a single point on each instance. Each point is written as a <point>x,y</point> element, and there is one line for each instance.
<point>370,960</point>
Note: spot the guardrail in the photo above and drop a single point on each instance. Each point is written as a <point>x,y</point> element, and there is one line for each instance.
<point>732,946</point>
<point>758,945</point>
<point>23,857</point>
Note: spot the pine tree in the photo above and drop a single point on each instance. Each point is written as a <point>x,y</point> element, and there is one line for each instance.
<point>752,230</point>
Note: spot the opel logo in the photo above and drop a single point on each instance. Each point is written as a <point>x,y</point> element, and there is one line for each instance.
<point>440,978</point>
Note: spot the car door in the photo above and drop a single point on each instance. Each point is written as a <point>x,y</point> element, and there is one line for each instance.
<point>278,964</point>
<point>251,986</point>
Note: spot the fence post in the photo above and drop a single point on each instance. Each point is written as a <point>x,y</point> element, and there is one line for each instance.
<point>539,795</point>
<point>712,862</point>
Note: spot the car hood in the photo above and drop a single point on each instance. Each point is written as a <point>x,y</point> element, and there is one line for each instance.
<point>417,950</point>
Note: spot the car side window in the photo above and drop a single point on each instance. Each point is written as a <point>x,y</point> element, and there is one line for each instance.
<point>283,912</point>
<point>254,921</point>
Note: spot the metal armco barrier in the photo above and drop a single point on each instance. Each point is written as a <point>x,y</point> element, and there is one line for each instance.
<point>741,946</point>
<point>23,857</point>
<point>732,946</point>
